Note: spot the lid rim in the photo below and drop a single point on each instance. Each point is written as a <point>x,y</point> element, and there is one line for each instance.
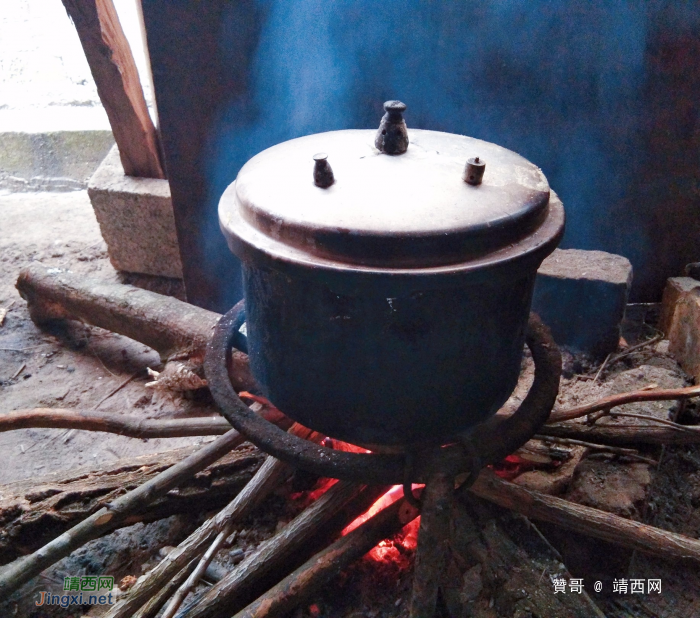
<point>411,210</point>
<point>247,243</point>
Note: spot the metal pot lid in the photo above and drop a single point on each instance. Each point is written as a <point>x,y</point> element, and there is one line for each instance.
<point>359,207</point>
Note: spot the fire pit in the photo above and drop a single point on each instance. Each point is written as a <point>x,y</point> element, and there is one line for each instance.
<point>387,292</point>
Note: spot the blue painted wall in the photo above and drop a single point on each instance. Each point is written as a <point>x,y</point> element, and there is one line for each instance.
<point>602,95</point>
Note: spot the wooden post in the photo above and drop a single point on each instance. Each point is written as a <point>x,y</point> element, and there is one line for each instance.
<point>113,68</point>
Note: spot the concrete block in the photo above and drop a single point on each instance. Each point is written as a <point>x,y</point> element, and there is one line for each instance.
<point>681,318</point>
<point>51,161</point>
<point>136,219</point>
<point>581,296</point>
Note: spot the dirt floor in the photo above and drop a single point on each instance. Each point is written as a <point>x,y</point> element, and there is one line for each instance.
<point>83,367</point>
<point>76,368</point>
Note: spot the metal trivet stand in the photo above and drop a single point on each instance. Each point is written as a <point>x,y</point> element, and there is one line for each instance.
<point>437,466</point>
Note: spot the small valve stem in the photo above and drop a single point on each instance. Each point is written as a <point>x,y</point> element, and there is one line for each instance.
<point>323,174</point>
<point>392,135</point>
<point>474,171</point>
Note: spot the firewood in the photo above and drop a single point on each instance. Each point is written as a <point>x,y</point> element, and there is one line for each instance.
<point>116,77</point>
<point>114,513</point>
<point>616,451</point>
<point>612,401</point>
<point>285,551</point>
<point>586,520</point>
<point>38,509</point>
<point>160,598</point>
<point>325,566</point>
<point>505,555</point>
<point>192,581</point>
<point>120,424</point>
<point>265,480</point>
<point>173,328</point>
<point>620,434</point>
<point>32,512</point>
<point>433,542</point>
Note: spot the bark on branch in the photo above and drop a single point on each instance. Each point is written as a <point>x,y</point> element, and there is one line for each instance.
<point>325,566</point>
<point>294,544</point>
<point>169,326</point>
<point>612,401</point>
<point>36,510</point>
<point>621,434</point>
<point>265,480</point>
<point>586,520</point>
<point>13,576</point>
<point>64,418</point>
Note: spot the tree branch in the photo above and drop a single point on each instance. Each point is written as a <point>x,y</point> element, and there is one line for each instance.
<point>108,518</point>
<point>586,520</point>
<point>65,418</point>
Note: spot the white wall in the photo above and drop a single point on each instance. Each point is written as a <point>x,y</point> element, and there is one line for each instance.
<point>44,77</point>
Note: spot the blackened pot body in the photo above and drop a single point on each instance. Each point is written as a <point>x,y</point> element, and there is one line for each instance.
<point>371,370</point>
<point>388,307</point>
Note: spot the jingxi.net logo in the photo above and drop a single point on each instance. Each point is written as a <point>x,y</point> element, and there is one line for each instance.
<point>85,590</point>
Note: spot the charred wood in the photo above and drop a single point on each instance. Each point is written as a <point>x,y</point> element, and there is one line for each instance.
<point>267,478</point>
<point>115,513</point>
<point>502,558</point>
<point>325,566</point>
<point>621,434</point>
<point>36,510</point>
<point>285,551</point>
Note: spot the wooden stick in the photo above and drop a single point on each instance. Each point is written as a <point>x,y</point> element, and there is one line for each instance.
<point>151,609</point>
<point>169,326</point>
<point>115,390</point>
<point>619,434</point>
<point>514,556</point>
<point>654,419</point>
<point>635,348</point>
<point>586,520</point>
<point>602,367</point>
<point>117,80</point>
<point>266,479</point>
<point>433,543</point>
<point>283,552</point>
<point>613,401</point>
<point>65,418</point>
<point>324,567</point>
<point>108,518</point>
<point>36,510</point>
<point>192,581</point>
<point>613,450</point>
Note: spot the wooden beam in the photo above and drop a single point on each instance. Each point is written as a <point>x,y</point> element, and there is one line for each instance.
<point>117,79</point>
<point>201,54</point>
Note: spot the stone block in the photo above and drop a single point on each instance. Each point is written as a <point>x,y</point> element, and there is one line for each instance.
<point>136,220</point>
<point>676,288</point>
<point>581,296</point>
<point>620,488</point>
<point>681,322</point>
